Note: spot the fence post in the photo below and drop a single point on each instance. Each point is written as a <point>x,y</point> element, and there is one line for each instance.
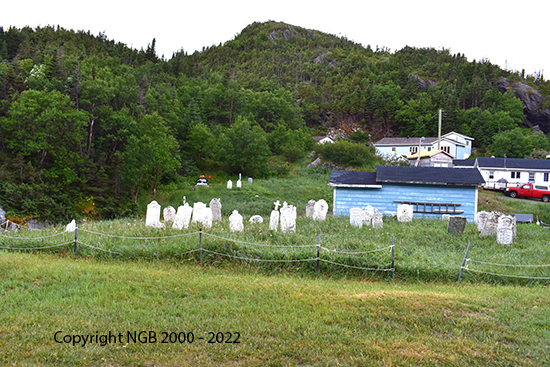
<point>392,258</point>
<point>464,262</point>
<point>200,244</point>
<point>318,251</point>
<point>75,237</point>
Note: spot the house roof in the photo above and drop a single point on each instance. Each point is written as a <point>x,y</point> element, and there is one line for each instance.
<point>463,163</point>
<point>459,134</point>
<point>515,163</point>
<point>428,154</point>
<point>405,141</point>
<point>407,174</point>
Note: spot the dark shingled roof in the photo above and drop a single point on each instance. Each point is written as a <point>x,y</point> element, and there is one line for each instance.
<point>519,163</point>
<point>405,141</point>
<point>464,162</point>
<point>429,175</point>
<point>411,175</point>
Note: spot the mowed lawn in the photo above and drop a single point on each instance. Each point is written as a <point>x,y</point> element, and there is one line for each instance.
<point>246,318</point>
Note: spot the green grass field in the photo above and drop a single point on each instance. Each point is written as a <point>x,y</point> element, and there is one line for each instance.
<point>157,299</point>
<point>277,320</point>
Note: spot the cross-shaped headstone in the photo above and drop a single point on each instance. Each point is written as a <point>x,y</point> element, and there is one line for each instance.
<point>277,204</point>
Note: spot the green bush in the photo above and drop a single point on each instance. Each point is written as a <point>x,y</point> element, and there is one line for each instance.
<point>347,153</point>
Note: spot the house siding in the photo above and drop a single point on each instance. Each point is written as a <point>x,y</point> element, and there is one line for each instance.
<point>383,199</point>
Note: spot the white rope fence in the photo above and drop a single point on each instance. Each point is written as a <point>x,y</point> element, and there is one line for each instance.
<point>466,262</point>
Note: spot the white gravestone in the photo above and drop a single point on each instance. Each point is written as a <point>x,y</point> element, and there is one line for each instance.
<point>239,182</point>
<point>404,213</point>
<point>274,218</point>
<point>199,212</point>
<point>169,214</point>
<point>446,217</point>
<point>256,219</point>
<point>288,218</point>
<point>229,185</point>
<point>491,226</point>
<point>505,230</point>
<point>367,214</point>
<point>250,180</point>
<point>71,226</point>
<point>377,221</point>
<point>236,222</point>
<point>356,217</point>
<point>183,217</point>
<point>481,219</point>
<point>309,208</point>
<point>152,218</point>
<point>320,210</point>
<point>216,206</point>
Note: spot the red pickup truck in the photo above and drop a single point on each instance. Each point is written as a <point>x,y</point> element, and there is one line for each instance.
<point>529,191</point>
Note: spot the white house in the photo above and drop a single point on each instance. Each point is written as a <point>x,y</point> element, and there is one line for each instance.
<point>458,146</point>
<point>323,139</point>
<point>499,172</point>
<point>434,158</point>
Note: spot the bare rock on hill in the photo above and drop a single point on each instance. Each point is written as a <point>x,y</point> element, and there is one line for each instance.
<point>532,100</point>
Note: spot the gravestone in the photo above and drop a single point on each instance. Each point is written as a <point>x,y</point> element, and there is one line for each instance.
<point>183,217</point>
<point>404,213</point>
<point>169,214</point>
<point>216,207</point>
<point>377,221</point>
<point>367,214</point>
<point>456,225</point>
<point>356,217</point>
<point>70,227</point>
<point>491,225</point>
<point>229,184</point>
<point>239,182</point>
<point>274,217</point>
<point>256,219</point>
<point>2,216</point>
<point>250,180</point>
<point>505,230</point>
<point>320,210</point>
<point>288,218</point>
<point>481,219</point>
<point>152,218</point>
<point>236,222</point>
<point>445,217</point>
<point>207,218</point>
<point>310,208</point>
<point>199,212</point>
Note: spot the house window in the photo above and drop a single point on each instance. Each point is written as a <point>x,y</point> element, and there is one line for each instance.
<point>532,177</point>
<point>491,175</point>
<point>429,149</point>
<point>446,149</point>
<point>516,174</point>
<point>393,149</point>
<point>413,149</point>
<point>546,177</point>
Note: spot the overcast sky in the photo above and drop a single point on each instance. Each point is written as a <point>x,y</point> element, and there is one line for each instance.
<point>512,34</point>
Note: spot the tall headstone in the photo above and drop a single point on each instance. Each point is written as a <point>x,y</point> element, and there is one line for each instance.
<point>183,217</point>
<point>491,225</point>
<point>367,215</point>
<point>288,218</point>
<point>216,206</point>
<point>229,184</point>
<point>456,225</point>
<point>377,221</point>
<point>404,213</point>
<point>169,214</point>
<point>239,182</point>
<point>310,208</point>
<point>274,217</point>
<point>152,218</point>
<point>199,212</point>
<point>320,210</point>
<point>481,219</point>
<point>236,222</point>
<point>505,230</point>
<point>356,217</point>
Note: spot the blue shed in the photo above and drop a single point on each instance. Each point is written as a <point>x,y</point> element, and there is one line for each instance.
<point>433,191</point>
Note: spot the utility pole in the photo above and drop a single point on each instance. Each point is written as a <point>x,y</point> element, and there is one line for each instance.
<point>439,132</point>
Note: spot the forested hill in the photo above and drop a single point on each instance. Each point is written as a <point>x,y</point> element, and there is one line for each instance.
<point>87,120</point>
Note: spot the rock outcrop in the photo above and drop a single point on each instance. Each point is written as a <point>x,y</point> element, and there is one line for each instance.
<point>532,99</point>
